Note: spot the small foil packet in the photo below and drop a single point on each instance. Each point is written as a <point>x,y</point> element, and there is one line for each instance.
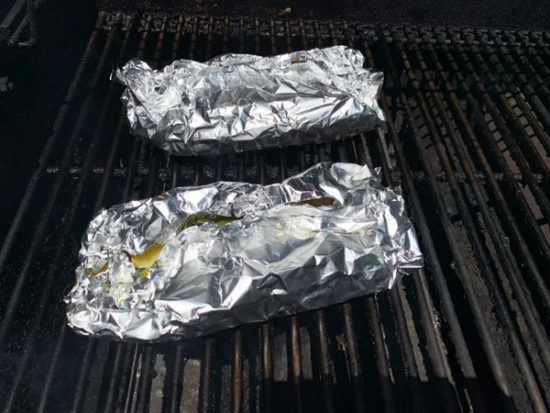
<point>196,260</point>
<point>240,102</point>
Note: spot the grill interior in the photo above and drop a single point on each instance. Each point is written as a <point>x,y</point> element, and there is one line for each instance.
<point>466,143</point>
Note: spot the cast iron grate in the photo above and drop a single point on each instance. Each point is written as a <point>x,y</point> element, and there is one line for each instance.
<point>18,26</point>
<point>467,144</point>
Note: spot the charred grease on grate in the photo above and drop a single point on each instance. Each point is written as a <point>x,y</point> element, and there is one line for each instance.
<point>432,344</point>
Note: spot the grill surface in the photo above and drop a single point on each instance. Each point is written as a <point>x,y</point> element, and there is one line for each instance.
<point>467,141</point>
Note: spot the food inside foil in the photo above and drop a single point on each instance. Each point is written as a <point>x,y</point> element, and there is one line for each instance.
<point>239,102</point>
<point>196,260</point>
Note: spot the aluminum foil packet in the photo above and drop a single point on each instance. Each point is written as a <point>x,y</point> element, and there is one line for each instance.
<point>196,260</point>
<point>240,102</point>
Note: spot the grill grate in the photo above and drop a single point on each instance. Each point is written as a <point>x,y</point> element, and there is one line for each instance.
<point>467,144</point>
<point>18,26</point>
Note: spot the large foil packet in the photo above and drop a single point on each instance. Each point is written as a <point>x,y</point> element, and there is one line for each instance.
<point>240,102</point>
<point>196,260</point>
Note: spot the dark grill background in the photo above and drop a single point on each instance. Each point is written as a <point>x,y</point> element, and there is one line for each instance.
<point>466,143</point>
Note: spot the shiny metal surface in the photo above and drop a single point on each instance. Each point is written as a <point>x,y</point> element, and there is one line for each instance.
<point>239,102</point>
<point>321,237</point>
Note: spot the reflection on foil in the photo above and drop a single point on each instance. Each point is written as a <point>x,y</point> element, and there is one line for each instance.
<point>239,102</point>
<point>196,260</point>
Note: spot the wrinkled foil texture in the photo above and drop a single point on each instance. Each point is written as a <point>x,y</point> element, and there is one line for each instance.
<point>280,258</point>
<point>240,102</point>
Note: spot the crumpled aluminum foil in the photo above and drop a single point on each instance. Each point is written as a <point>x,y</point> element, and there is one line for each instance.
<point>239,102</point>
<point>281,256</point>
